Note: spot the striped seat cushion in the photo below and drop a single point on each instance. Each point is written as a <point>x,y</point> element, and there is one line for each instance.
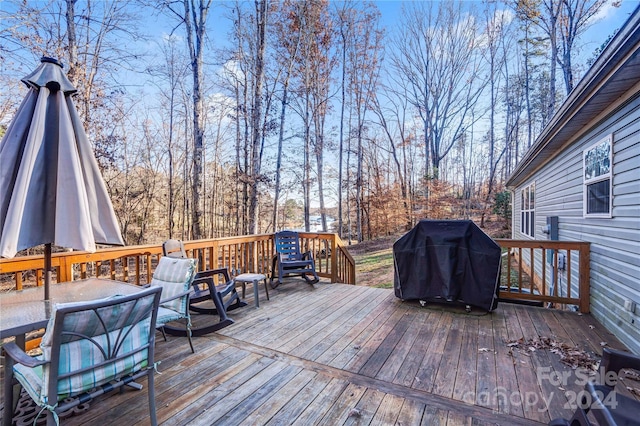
<point>90,338</point>
<point>174,275</point>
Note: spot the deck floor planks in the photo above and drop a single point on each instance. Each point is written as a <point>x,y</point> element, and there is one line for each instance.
<point>174,407</point>
<point>356,352</point>
<point>434,417</point>
<point>316,409</point>
<point>545,363</point>
<point>233,379</point>
<point>296,405</point>
<point>525,371</point>
<point>465,383</point>
<point>309,334</point>
<point>373,367</point>
<point>586,338</point>
<point>339,330</point>
<point>341,409</point>
<point>224,402</point>
<point>400,353</point>
<point>458,419</point>
<point>277,311</point>
<point>411,363</point>
<point>530,393</point>
<point>191,404</point>
<point>425,376</point>
<point>388,411</point>
<point>371,348</point>
<point>256,399</point>
<point>167,389</point>
<point>558,379</point>
<point>277,400</point>
<point>341,346</point>
<point>486,373</point>
<point>444,381</point>
<point>366,408</point>
<point>506,379</point>
<point>278,320</point>
<point>410,413</point>
<point>275,336</point>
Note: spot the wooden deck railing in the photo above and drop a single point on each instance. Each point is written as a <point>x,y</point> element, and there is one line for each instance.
<point>135,264</point>
<point>542,271</point>
<point>556,272</point>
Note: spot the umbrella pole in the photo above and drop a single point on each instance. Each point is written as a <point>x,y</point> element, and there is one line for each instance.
<point>47,270</point>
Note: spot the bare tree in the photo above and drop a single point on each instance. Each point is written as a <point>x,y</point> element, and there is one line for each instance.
<point>576,17</point>
<point>193,15</point>
<point>286,25</point>
<point>363,62</point>
<point>312,73</point>
<point>393,121</point>
<point>545,14</point>
<point>87,38</point>
<point>257,113</point>
<point>436,54</point>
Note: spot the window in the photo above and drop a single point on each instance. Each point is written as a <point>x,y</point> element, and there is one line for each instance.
<point>597,179</point>
<point>527,210</point>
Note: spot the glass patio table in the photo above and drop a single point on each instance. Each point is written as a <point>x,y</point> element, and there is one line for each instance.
<point>26,310</point>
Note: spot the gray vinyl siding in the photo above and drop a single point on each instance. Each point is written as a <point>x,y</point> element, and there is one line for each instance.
<point>615,242</point>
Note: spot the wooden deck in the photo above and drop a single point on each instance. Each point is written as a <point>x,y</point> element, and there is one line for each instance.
<point>342,354</point>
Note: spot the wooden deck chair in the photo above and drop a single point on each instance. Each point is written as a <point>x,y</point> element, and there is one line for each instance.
<point>290,260</point>
<point>88,349</point>
<point>607,405</point>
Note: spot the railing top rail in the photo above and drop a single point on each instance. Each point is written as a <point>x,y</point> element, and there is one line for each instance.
<point>341,244</point>
<point>64,261</point>
<point>571,245</point>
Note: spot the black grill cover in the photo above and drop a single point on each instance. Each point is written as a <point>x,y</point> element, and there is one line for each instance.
<point>447,260</point>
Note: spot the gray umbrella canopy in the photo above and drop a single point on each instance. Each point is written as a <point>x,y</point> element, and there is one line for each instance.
<point>51,189</point>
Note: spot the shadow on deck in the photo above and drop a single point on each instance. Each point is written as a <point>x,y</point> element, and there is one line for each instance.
<point>343,354</point>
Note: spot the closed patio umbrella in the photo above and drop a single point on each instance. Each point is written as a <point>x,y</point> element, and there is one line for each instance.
<point>51,190</point>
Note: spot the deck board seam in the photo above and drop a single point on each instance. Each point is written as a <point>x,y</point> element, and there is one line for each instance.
<point>437,401</point>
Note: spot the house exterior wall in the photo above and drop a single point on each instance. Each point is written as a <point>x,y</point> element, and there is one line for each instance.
<point>615,241</point>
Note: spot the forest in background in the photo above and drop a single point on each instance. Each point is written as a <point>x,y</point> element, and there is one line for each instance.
<point>311,114</point>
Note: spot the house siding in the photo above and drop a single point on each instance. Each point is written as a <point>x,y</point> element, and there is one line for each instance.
<point>615,241</point>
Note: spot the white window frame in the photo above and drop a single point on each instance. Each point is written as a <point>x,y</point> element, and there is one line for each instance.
<point>586,181</point>
<point>527,210</point>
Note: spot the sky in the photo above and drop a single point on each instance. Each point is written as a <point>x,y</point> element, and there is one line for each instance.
<point>609,19</point>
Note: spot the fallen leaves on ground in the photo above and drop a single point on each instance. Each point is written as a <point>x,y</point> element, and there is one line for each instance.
<point>569,355</point>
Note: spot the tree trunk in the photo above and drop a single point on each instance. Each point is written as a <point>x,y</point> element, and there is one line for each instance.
<point>195,38</point>
<point>256,117</point>
<point>73,44</point>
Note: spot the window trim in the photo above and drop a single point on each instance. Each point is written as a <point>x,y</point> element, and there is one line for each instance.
<point>526,214</point>
<point>586,182</point>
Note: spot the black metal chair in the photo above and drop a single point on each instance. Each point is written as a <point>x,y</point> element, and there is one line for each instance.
<point>290,260</point>
<point>89,348</point>
<point>173,248</point>
<point>206,297</point>
<point>605,404</point>
<point>224,297</point>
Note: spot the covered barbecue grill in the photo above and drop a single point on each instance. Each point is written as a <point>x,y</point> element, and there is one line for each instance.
<point>447,261</point>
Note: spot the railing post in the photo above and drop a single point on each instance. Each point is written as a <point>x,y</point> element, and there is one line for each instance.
<point>585,277</point>
<point>64,269</point>
<point>334,259</point>
<point>215,261</point>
